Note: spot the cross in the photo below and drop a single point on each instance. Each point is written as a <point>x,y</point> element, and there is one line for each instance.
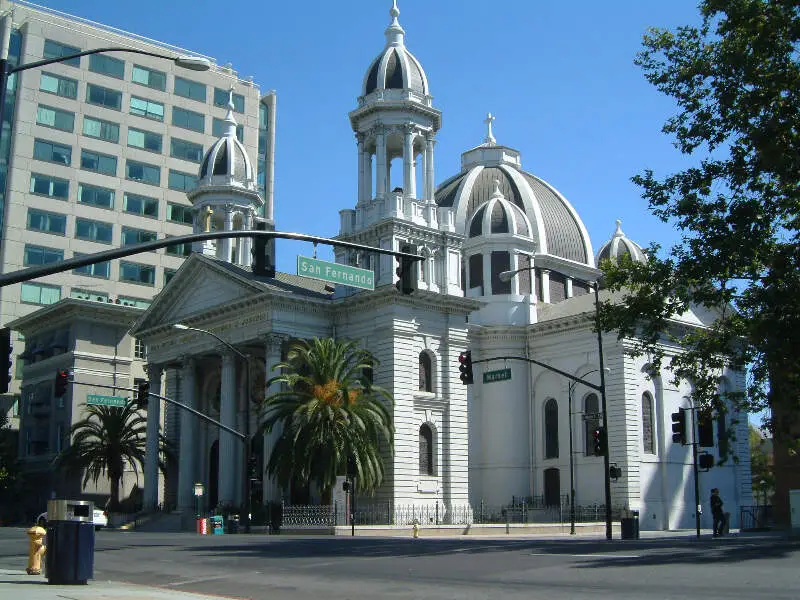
<point>489,139</point>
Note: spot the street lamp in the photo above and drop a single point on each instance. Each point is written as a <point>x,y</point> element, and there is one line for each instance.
<point>193,63</point>
<point>506,276</point>
<point>246,440</point>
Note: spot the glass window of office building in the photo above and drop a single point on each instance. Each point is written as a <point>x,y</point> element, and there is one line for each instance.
<point>149,77</point>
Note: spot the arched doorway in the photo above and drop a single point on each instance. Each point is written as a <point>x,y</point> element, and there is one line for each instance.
<point>552,487</point>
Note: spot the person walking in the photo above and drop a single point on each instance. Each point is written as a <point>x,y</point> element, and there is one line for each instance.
<point>716,512</point>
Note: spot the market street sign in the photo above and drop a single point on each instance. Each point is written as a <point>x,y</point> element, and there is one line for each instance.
<point>501,375</point>
<point>117,401</point>
<point>335,273</point>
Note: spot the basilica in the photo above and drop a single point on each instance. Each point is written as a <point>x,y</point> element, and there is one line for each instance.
<point>508,273</point>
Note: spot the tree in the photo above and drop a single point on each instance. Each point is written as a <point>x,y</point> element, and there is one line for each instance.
<point>328,413</point>
<point>760,468</point>
<point>736,82</point>
<point>106,441</point>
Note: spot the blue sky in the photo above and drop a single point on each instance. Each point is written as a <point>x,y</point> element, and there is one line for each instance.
<point>559,77</point>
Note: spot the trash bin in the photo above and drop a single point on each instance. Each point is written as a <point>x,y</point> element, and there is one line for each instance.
<point>217,525</point>
<point>232,526</point>
<point>70,542</point>
<point>629,525</point>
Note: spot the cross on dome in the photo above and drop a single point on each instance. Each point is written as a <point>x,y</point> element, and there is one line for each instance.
<point>489,140</point>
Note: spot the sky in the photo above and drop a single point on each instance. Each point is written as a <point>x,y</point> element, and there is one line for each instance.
<point>558,76</point>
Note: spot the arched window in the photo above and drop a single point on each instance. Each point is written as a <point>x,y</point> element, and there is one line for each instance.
<point>648,439</point>
<point>425,450</point>
<point>425,372</point>
<point>551,428</point>
<point>591,421</point>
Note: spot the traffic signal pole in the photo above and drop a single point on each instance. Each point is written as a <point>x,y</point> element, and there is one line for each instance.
<point>698,507</point>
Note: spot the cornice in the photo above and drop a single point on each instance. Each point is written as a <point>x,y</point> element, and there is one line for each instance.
<point>68,310</point>
<point>422,299</point>
<point>401,227</point>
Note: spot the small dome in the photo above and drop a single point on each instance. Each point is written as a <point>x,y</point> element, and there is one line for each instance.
<point>498,216</point>
<point>554,224</point>
<point>619,245</point>
<point>395,68</point>
<point>227,160</point>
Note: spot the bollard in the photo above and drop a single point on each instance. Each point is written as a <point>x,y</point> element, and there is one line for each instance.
<point>36,550</point>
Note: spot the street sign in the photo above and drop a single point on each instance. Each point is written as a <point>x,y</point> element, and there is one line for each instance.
<point>98,400</point>
<point>335,273</point>
<point>501,375</point>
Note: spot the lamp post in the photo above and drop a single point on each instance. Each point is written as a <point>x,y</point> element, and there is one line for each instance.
<point>246,440</point>
<point>193,63</point>
<point>506,276</point>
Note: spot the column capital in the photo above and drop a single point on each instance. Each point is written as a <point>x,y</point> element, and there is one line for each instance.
<point>154,371</point>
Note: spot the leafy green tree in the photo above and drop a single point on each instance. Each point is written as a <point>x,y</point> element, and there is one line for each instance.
<point>104,443</point>
<point>760,468</point>
<point>328,413</point>
<point>736,82</point>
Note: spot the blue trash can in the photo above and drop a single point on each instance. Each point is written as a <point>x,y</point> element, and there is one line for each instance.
<point>217,525</point>
<point>70,542</point>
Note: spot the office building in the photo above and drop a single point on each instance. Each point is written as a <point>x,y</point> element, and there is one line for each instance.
<point>100,151</point>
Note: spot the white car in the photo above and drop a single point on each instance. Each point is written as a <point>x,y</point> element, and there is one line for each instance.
<point>99,518</point>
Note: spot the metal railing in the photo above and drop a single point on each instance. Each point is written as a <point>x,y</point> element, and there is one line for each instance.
<point>520,511</point>
<point>758,517</point>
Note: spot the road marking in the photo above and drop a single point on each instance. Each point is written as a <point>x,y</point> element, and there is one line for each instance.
<point>586,555</point>
<point>198,580</point>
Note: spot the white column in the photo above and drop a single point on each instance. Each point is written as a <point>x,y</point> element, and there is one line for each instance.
<point>272,350</point>
<point>381,166</point>
<point>226,242</point>
<point>247,243</point>
<point>188,445</point>
<point>227,442</point>
<point>430,190</point>
<point>368,176</point>
<point>409,177</point>
<point>545,286</point>
<point>362,187</point>
<point>152,446</point>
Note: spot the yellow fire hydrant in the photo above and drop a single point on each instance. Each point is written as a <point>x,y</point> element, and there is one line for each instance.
<point>36,550</point>
<point>415,528</point>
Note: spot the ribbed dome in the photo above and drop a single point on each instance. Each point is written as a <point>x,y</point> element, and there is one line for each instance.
<point>620,245</point>
<point>395,68</point>
<point>554,224</point>
<point>498,216</point>
<point>227,162</point>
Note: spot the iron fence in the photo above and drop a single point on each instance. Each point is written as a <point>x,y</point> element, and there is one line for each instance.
<point>754,518</point>
<point>520,511</point>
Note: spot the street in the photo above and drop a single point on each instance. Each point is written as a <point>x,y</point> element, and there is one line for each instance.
<point>282,567</point>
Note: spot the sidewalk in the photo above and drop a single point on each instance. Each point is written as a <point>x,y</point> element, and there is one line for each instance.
<point>18,585</point>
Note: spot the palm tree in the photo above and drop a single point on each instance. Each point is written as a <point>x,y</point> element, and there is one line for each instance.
<point>329,413</point>
<point>104,442</point>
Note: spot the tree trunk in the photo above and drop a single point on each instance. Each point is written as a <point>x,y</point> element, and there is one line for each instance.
<point>114,501</point>
<point>786,433</point>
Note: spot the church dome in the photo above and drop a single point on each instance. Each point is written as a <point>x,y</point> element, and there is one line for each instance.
<point>498,216</point>
<point>620,245</point>
<point>395,67</point>
<point>226,161</point>
<point>555,226</point>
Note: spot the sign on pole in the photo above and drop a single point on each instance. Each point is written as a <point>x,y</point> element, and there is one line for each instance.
<point>501,375</point>
<point>98,400</point>
<point>335,273</point>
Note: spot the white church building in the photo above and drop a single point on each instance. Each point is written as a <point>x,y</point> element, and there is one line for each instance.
<point>502,439</point>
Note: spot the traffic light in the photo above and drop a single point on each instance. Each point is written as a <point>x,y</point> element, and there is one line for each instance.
<point>465,367</point>
<point>679,426</point>
<point>5,358</point>
<point>705,430</point>
<point>62,379</point>
<point>406,270</point>
<point>706,461</point>
<point>600,441</point>
<point>262,262</point>
<point>614,472</point>
<point>346,486</point>
<point>143,395</point>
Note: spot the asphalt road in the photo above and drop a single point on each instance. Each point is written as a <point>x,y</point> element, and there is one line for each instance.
<point>282,567</point>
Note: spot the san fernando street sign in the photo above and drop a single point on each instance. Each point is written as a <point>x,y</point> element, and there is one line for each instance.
<point>98,400</point>
<point>335,273</point>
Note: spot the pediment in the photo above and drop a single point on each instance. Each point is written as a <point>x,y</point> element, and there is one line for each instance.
<point>201,285</point>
